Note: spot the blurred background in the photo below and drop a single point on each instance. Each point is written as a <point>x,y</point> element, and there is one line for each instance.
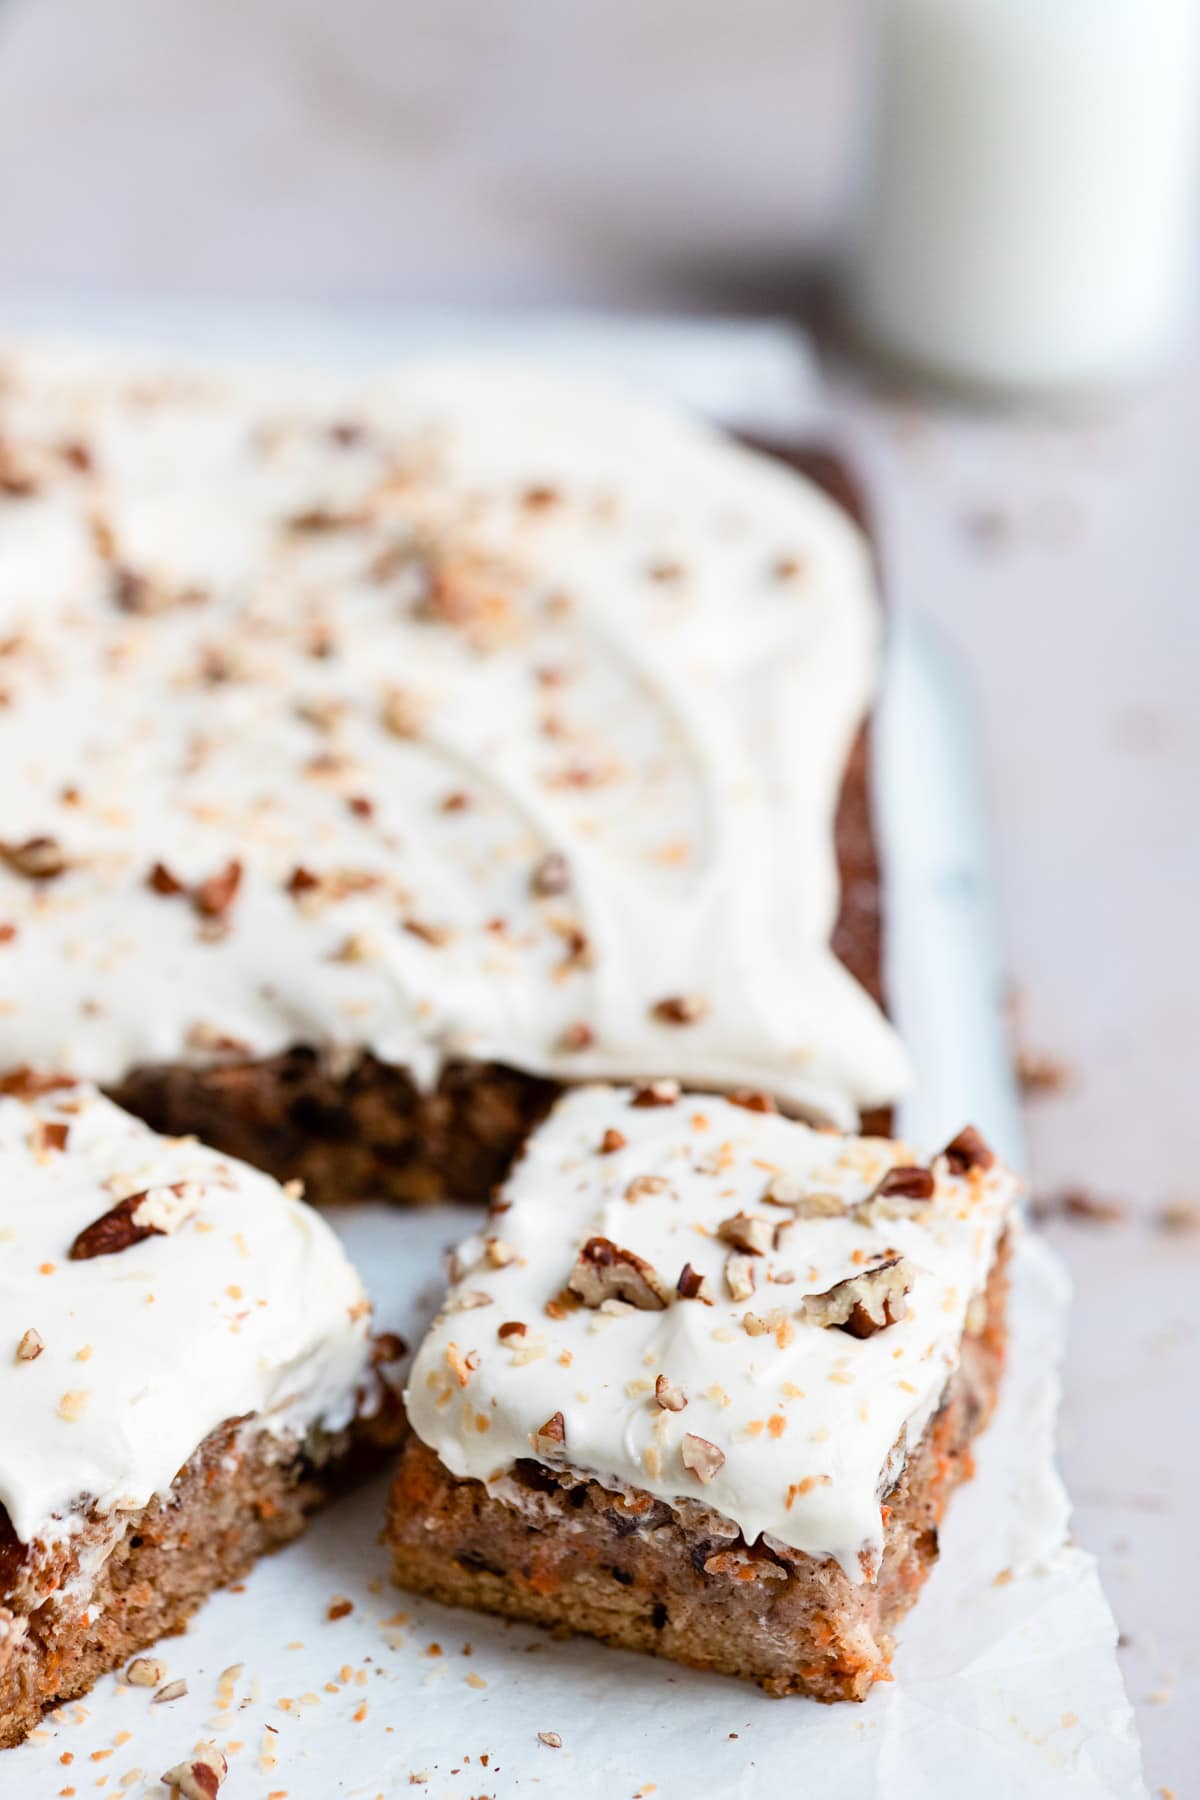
<point>694,156</point>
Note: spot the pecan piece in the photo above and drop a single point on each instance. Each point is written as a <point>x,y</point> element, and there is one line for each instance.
<point>655,1093</point>
<point>866,1303</point>
<point>969,1150</point>
<point>155,1212</point>
<point>578,1036</point>
<point>37,859</point>
<point>603,1271</point>
<point>213,898</point>
<point>680,1009</point>
<point>753,1100</point>
<point>806,1203</point>
<point>550,1439</point>
<point>896,1195</point>
<point>739,1276</point>
<point>200,1776</point>
<point>668,1396</point>
<point>692,1285</point>
<point>747,1232</point>
<point>30,1346</point>
<point>551,876</point>
<point>702,1458</point>
<point>612,1141</point>
<point>161,881</point>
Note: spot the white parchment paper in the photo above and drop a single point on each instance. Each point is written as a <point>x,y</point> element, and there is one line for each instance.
<point>1006,1681</point>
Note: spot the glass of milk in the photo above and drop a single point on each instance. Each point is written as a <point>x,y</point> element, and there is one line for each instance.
<point>1030,195</point>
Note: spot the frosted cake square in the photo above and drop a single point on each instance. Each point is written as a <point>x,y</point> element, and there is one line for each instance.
<point>704,1384</point>
<point>187,1369</point>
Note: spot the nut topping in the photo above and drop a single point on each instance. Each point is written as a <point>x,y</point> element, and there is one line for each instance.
<point>680,1009</point>
<point>739,1276</point>
<point>37,859</point>
<point>213,898</point>
<point>603,1271</point>
<point>551,876</point>
<point>655,1093</point>
<point>612,1141</point>
<point>155,1212</point>
<point>805,1203</point>
<point>896,1195</point>
<point>200,1777</point>
<point>643,1186</point>
<point>702,1458</point>
<point>146,1671</point>
<point>747,1232</point>
<point>30,1346</point>
<point>550,1439</point>
<point>694,1286</point>
<point>969,1150</point>
<point>863,1304</point>
<point>668,1396</point>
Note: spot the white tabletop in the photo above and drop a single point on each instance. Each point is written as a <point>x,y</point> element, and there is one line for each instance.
<point>684,155</point>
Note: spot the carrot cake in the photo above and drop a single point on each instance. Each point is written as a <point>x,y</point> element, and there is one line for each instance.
<point>188,1369</point>
<point>384,752</point>
<point>704,1383</point>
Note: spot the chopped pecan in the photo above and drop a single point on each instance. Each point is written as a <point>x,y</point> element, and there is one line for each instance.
<point>866,1303</point>
<point>30,1346</point>
<point>200,1776</point>
<point>551,876</point>
<point>146,1671</point>
<point>213,898</point>
<point>161,881</point>
<point>702,1458</point>
<point>896,1195</point>
<point>753,1099</point>
<point>603,1271</point>
<point>155,1212</point>
<point>435,935</point>
<point>668,1396</point>
<point>577,1036</point>
<point>694,1286</point>
<point>27,1083</point>
<point>739,1276</point>
<point>745,1231</point>
<point>400,715</point>
<point>655,1093</point>
<point>50,1134</point>
<point>642,1187</point>
<point>804,1202</point>
<point>680,1009</point>
<point>612,1141</point>
<point>969,1150</point>
<point>37,859</point>
<point>550,1439</point>
<point>512,1328</point>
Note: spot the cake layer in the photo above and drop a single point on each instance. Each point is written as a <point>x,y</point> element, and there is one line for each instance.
<point>75,1610</point>
<point>460,714</point>
<point>704,1301</point>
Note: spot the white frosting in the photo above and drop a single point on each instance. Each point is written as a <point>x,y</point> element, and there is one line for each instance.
<point>248,1306</point>
<point>806,1416</point>
<point>624,639</point>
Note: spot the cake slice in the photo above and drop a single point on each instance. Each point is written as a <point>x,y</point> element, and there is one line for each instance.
<point>187,1369</point>
<point>704,1385</point>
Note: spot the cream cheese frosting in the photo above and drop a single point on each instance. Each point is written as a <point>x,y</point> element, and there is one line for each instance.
<point>456,709</point>
<point>122,1357</point>
<point>748,1396</point>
